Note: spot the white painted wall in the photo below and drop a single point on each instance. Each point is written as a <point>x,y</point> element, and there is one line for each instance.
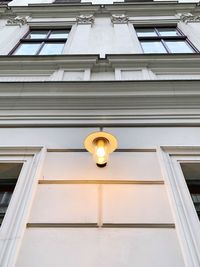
<point>135,137</point>
<point>100,248</point>
<point>136,166</point>
<point>10,37</point>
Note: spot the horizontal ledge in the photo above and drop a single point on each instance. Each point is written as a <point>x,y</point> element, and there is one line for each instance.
<point>101,182</point>
<point>62,225</point>
<point>117,150</point>
<point>138,225</point>
<point>105,225</point>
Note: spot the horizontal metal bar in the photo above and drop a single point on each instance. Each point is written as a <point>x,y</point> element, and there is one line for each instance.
<point>117,150</point>
<point>62,225</point>
<point>142,182</point>
<point>105,225</point>
<point>157,38</point>
<point>138,225</point>
<point>38,40</point>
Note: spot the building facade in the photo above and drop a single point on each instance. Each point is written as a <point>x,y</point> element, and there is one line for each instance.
<point>71,68</point>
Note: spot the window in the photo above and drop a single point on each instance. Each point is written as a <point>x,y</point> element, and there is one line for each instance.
<point>9,172</point>
<point>67,2</point>
<point>164,40</point>
<point>42,42</point>
<point>191,173</point>
<point>181,168</point>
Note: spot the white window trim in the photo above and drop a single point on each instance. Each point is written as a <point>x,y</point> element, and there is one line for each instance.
<point>15,220</point>
<point>186,219</point>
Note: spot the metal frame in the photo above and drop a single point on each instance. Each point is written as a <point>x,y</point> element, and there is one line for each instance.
<point>42,41</point>
<point>162,39</point>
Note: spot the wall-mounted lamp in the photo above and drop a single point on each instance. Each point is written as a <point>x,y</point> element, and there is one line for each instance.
<point>100,144</point>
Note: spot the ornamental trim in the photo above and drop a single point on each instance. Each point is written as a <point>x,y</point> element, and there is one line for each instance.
<point>17,21</point>
<point>119,19</point>
<point>85,19</point>
<point>190,18</point>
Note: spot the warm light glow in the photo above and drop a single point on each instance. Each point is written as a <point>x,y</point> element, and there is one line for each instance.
<point>100,152</point>
<point>100,145</point>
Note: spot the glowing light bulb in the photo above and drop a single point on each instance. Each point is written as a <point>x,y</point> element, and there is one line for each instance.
<point>101,152</point>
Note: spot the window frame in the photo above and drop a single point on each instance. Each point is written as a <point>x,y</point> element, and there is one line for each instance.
<point>16,216</point>
<point>42,41</point>
<point>186,219</point>
<point>193,186</point>
<point>180,37</point>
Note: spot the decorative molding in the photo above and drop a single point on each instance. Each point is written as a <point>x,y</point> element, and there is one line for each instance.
<point>17,21</point>
<point>51,24</point>
<point>188,17</point>
<point>14,223</point>
<point>119,19</point>
<point>85,19</point>
<point>161,98</point>
<point>186,220</point>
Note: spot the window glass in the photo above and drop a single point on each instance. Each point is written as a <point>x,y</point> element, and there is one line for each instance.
<point>179,47</point>
<point>9,172</point>
<point>153,47</point>
<point>191,173</point>
<point>37,35</point>
<point>59,34</point>
<point>27,49</point>
<point>146,32</point>
<point>52,49</point>
<point>168,31</point>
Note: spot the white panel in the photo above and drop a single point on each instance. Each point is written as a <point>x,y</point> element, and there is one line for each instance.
<point>73,75</point>
<point>136,204</point>
<point>24,78</point>
<point>132,75</point>
<point>122,165</point>
<point>102,76</point>
<point>65,204</point>
<point>100,248</point>
<point>177,76</point>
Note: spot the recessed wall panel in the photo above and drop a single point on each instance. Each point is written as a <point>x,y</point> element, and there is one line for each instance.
<point>121,166</point>
<point>54,203</point>
<point>100,248</point>
<point>135,204</point>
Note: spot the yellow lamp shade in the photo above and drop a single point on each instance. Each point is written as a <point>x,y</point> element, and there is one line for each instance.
<point>100,144</point>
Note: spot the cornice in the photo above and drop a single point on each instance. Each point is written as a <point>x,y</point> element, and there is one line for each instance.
<point>128,103</point>
<point>101,89</point>
<point>183,61</point>
<point>129,9</point>
<point>47,62</point>
<point>154,60</point>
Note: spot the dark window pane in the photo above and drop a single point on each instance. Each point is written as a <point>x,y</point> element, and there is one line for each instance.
<point>153,47</point>
<point>9,173</point>
<point>146,32</point>
<point>27,49</point>
<point>168,32</point>
<point>191,173</point>
<point>37,35</point>
<point>52,49</point>
<point>179,47</point>
<point>59,34</point>
<point>10,170</point>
